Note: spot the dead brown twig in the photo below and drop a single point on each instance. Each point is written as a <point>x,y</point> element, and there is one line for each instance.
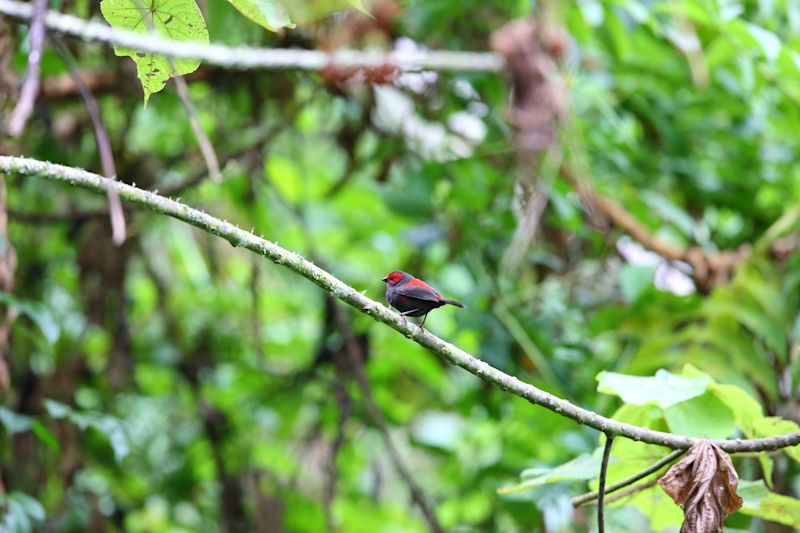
<point>709,269</point>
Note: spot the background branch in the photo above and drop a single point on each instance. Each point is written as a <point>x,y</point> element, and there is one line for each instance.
<point>379,312</point>
<point>589,497</point>
<point>356,360</point>
<point>30,86</point>
<point>206,148</point>
<point>101,138</point>
<point>708,269</point>
<point>248,57</point>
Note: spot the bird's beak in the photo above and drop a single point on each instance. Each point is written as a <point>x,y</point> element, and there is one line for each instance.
<point>385,279</point>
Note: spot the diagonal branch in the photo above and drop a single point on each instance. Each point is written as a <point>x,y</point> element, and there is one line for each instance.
<point>708,268</point>
<point>590,497</point>
<point>357,366</point>
<point>101,138</point>
<point>379,312</point>
<point>247,57</point>
<point>206,148</point>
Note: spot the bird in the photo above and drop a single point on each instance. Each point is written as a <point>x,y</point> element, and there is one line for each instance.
<point>412,296</point>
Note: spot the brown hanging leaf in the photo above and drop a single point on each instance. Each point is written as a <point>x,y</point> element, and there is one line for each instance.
<point>704,483</point>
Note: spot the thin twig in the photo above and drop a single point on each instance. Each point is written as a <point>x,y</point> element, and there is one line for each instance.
<point>601,486</point>
<point>8,264</point>
<point>633,490</point>
<point>265,58</point>
<point>263,135</point>
<point>206,148</point>
<point>101,138</point>
<point>30,86</point>
<point>379,312</point>
<point>707,268</point>
<point>590,497</point>
<point>356,363</point>
<point>345,407</point>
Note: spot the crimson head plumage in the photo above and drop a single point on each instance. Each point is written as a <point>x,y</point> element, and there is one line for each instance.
<point>396,277</point>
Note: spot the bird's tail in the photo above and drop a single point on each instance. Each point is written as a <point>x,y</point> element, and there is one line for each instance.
<point>454,302</point>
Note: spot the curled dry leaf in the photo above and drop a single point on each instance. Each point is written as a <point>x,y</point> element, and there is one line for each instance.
<point>704,483</point>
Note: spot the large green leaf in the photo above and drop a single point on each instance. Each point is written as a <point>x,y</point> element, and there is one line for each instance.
<point>107,425</point>
<point>14,422</point>
<point>664,389</point>
<point>702,416</point>
<point>38,314</point>
<point>267,13</point>
<point>761,502</point>
<point>581,468</point>
<point>180,20</point>
<point>19,512</point>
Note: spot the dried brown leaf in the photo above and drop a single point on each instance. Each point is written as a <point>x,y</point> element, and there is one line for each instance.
<point>704,483</point>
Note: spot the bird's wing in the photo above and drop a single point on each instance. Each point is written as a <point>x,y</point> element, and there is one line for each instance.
<point>418,290</point>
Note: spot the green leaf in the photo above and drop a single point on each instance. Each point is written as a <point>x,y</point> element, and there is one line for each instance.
<point>267,13</point>
<point>662,511</point>
<point>31,506</point>
<point>14,422</point>
<point>769,42</point>
<point>581,468</point>
<point>46,436</point>
<point>760,502</point>
<point>285,174</point>
<point>744,407</point>
<point>20,512</point>
<point>180,20</point>
<point>701,416</point>
<point>39,315</point>
<point>787,223</point>
<point>620,36</point>
<point>664,389</point>
<point>109,426</point>
<point>634,279</point>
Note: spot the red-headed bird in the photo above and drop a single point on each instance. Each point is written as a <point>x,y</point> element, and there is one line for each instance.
<point>412,296</point>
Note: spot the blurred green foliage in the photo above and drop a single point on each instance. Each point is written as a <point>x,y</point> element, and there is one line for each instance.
<point>177,384</point>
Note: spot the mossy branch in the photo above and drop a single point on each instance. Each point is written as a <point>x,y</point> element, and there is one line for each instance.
<point>379,312</point>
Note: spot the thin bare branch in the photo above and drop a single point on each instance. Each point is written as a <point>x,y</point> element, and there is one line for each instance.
<point>590,497</point>
<point>708,269</point>
<point>630,491</point>
<point>356,364</point>
<point>601,486</point>
<point>206,148</point>
<point>30,86</point>
<point>264,58</point>
<point>101,138</point>
<point>8,264</point>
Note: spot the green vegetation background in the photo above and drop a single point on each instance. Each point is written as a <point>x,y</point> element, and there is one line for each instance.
<point>178,384</point>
